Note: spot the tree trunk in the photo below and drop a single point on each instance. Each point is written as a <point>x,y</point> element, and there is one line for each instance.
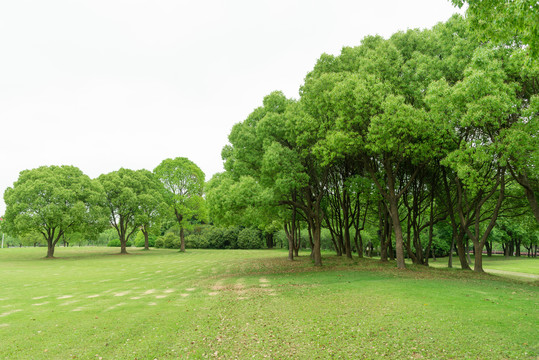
<point>468,259</point>
<point>383,229</point>
<point>146,241</point>
<point>451,250</point>
<point>297,239</point>
<point>316,230</point>
<point>397,229</point>
<point>269,240</point>
<point>123,246</point>
<point>50,249</point>
<point>478,261</point>
<point>462,251</point>
<point>488,245</point>
<point>289,230</point>
<point>346,219</point>
<point>182,240</point>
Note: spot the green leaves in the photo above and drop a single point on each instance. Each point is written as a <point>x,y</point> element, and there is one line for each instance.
<point>505,21</point>
<point>184,184</point>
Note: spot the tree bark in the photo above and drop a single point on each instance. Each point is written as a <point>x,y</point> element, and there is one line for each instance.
<point>182,240</point>
<point>50,249</point>
<point>289,230</point>
<point>146,241</point>
<point>316,227</point>
<point>451,250</point>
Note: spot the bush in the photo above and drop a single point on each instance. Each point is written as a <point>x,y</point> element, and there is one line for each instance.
<point>116,243</point>
<point>250,239</point>
<point>230,238</point>
<point>171,241</point>
<point>159,242</point>
<point>214,238</point>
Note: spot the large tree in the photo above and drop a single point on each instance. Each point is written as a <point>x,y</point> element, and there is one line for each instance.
<point>53,201</point>
<point>184,182</point>
<point>126,191</point>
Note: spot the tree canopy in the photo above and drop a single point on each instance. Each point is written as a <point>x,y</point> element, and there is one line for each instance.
<point>184,184</point>
<point>54,201</point>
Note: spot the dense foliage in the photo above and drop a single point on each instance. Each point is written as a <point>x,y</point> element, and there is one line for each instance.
<point>424,131</point>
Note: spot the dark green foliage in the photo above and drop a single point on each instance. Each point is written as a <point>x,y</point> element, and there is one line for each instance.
<point>250,239</point>
<point>159,243</point>
<point>171,241</point>
<point>213,237</point>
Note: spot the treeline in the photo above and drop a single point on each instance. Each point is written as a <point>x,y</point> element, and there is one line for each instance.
<point>426,131</point>
<point>60,204</point>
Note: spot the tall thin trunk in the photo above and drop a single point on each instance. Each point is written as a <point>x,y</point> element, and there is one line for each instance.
<point>397,229</point>
<point>316,231</point>
<point>383,230</point>
<point>451,250</point>
<point>346,225</point>
<point>290,230</point>
<point>182,240</point>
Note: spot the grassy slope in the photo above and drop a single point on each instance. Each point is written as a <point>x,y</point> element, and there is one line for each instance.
<point>237,304</point>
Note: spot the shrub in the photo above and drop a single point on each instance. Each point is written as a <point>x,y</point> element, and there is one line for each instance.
<point>214,238</point>
<point>230,238</point>
<point>159,242</point>
<point>250,239</point>
<point>171,241</point>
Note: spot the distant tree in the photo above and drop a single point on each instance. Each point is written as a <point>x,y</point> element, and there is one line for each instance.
<point>184,182</point>
<point>125,198</point>
<point>53,201</point>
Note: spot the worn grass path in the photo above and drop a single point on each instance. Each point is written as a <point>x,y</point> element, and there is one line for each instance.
<point>161,304</point>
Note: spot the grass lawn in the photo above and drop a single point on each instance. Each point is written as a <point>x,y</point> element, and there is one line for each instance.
<point>499,264</point>
<point>91,303</point>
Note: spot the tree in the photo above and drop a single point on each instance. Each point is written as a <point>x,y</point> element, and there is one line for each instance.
<point>53,201</point>
<point>184,182</point>
<point>505,21</point>
<point>125,196</point>
<point>482,105</point>
<point>151,203</point>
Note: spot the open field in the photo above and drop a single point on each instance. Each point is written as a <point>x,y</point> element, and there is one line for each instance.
<point>92,304</point>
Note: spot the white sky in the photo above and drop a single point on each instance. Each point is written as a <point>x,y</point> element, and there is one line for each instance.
<point>104,84</point>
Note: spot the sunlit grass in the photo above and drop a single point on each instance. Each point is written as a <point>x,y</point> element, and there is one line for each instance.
<point>522,264</point>
<point>91,303</point>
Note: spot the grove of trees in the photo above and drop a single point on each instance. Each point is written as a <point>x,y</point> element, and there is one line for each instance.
<point>428,127</point>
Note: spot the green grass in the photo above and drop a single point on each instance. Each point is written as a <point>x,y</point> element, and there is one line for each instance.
<point>523,264</point>
<point>160,304</point>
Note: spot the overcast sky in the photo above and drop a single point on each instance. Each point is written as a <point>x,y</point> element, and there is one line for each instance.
<point>104,84</point>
